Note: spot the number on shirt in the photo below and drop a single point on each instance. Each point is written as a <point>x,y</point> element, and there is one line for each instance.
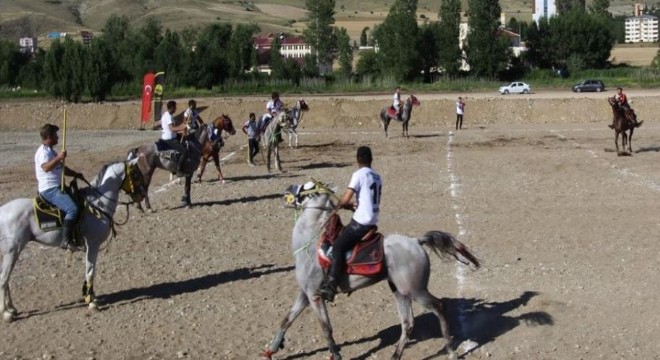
<point>375,193</point>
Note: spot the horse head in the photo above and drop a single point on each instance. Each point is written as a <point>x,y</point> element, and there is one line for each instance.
<point>312,194</point>
<point>412,100</point>
<point>612,101</point>
<point>302,105</point>
<point>224,122</point>
<point>133,183</point>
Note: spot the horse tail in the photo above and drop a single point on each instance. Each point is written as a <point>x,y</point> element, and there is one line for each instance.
<point>445,244</point>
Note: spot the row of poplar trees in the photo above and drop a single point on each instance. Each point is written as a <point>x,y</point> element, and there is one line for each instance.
<point>220,53</point>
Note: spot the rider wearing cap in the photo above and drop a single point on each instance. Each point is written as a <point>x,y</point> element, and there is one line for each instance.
<point>48,169</point>
<point>366,185</point>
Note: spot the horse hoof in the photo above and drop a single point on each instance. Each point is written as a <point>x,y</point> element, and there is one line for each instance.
<point>7,316</point>
<point>93,306</point>
<point>453,355</point>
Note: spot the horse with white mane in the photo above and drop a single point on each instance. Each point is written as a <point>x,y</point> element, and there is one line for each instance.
<point>18,226</point>
<point>405,266</point>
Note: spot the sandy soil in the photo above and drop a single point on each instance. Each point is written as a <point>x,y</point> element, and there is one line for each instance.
<point>566,230</point>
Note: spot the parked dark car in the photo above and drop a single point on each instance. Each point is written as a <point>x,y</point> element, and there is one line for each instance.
<point>589,85</point>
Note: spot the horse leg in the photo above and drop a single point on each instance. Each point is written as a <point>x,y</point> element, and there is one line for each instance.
<point>278,342</point>
<point>616,142</point>
<point>90,272</point>
<point>201,168</point>
<point>434,304</point>
<point>6,306</point>
<point>216,161</point>
<point>295,136</point>
<point>268,157</point>
<point>630,139</point>
<point>386,124</point>
<point>186,192</point>
<point>318,305</point>
<point>404,307</point>
<point>278,164</point>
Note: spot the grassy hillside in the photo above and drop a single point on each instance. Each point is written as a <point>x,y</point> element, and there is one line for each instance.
<point>38,17</point>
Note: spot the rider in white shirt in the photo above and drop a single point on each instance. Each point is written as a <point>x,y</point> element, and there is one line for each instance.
<point>48,170</point>
<point>169,134</point>
<point>396,104</point>
<point>191,116</point>
<point>273,107</point>
<point>366,185</point>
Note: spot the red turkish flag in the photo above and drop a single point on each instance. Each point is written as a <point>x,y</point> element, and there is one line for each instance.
<point>147,94</point>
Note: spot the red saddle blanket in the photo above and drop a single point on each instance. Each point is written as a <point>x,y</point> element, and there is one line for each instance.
<point>391,111</point>
<point>367,256</point>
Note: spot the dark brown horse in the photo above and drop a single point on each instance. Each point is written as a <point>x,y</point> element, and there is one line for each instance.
<point>211,147</point>
<point>624,120</point>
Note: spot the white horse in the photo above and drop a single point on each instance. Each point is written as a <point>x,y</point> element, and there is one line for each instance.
<point>407,270</point>
<point>18,226</point>
<point>296,114</point>
<point>272,135</point>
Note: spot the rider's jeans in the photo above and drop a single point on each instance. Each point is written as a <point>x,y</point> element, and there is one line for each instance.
<point>62,201</point>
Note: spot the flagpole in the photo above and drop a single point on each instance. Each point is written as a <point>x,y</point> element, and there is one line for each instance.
<point>63,149</point>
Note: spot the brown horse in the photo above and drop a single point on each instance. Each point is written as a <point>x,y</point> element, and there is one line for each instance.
<point>623,120</point>
<point>211,147</point>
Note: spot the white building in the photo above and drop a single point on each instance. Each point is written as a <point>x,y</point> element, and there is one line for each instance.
<point>544,8</point>
<point>28,45</point>
<point>643,28</point>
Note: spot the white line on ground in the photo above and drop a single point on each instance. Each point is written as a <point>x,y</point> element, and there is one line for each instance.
<point>455,191</point>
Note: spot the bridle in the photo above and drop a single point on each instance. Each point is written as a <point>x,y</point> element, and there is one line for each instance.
<point>132,184</point>
<point>293,198</point>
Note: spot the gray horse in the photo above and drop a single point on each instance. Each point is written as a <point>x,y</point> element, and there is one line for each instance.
<point>407,269</point>
<point>272,136</point>
<point>150,159</point>
<point>406,112</point>
<point>296,114</point>
<point>19,225</point>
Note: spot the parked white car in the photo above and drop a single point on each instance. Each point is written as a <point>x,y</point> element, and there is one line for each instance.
<point>516,87</point>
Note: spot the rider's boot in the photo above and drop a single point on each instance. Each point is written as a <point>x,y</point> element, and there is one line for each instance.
<point>68,241</point>
<point>328,289</point>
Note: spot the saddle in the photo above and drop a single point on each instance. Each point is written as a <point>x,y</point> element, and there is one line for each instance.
<point>166,151</point>
<point>367,256</point>
<point>49,217</point>
<point>391,112</point>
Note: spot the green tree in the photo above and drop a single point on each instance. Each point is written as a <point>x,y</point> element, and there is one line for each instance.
<point>31,75</point>
<point>11,62</point>
<point>397,38</point>
<point>345,52</point>
<point>309,68</point>
<point>363,36</point>
<point>99,67</point>
<point>275,60</point>
<point>120,39</point>
<point>487,51</point>
<point>241,50</point>
<point>53,73</point>
<point>448,47</point>
<point>600,7</point>
<point>169,56</point>
<point>319,31</point>
<point>208,64</point>
<point>428,48</point>
<point>368,65</point>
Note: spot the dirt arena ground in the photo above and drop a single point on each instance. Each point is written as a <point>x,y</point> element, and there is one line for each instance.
<point>567,232</point>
